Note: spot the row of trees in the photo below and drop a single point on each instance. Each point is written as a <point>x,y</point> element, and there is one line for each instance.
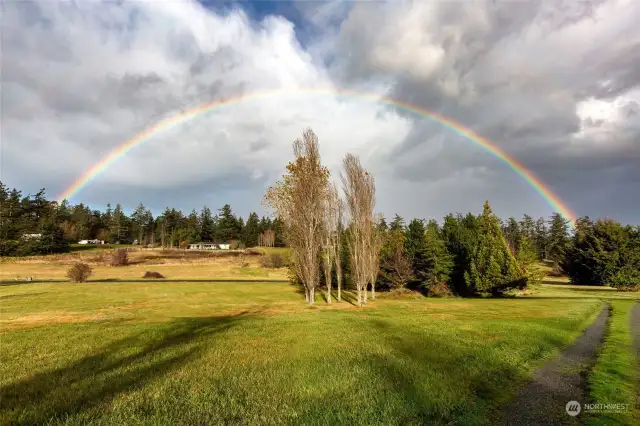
<point>468,255</point>
<point>337,238</point>
<point>61,224</point>
<point>314,218</point>
<point>343,240</point>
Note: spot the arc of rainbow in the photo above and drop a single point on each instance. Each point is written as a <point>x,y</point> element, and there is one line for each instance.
<point>535,182</point>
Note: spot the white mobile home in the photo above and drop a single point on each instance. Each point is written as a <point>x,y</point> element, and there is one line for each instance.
<point>203,246</point>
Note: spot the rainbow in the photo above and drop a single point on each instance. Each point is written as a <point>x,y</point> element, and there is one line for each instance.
<point>536,183</point>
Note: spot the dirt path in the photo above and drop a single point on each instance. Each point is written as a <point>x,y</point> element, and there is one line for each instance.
<point>544,400</point>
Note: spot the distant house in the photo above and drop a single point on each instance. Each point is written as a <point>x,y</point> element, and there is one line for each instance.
<point>31,236</point>
<point>91,242</point>
<point>224,246</point>
<point>203,246</point>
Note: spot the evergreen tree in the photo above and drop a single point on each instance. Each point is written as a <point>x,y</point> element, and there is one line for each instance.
<point>206,225</point>
<point>493,268</point>
<point>397,224</point>
<point>52,240</point>
<point>558,238</point>
<point>540,238</point>
<point>117,226</point>
<point>278,228</point>
<point>415,248</point>
<point>251,230</point>
<point>437,260</point>
<point>192,234</point>
<point>227,226</point>
<point>460,234</point>
<point>527,257</point>
<point>527,227</point>
<point>603,253</point>
<point>140,221</point>
<point>512,234</point>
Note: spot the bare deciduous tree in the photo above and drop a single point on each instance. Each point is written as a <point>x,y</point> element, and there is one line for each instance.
<point>337,243</point>
<point>359,189</point>
<point>374,255</point>
<point>397,263</point>
<point>331,230</point>
<point>299,201</point>
<point>267,238</point>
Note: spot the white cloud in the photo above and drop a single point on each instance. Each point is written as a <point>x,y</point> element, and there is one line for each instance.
<point>550,82</point>
<point>102,86</point>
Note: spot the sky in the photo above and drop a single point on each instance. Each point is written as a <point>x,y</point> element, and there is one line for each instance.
<point>555,84</point>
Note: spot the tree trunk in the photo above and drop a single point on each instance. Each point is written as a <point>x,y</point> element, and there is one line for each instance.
<point>306,294</point>
<point>373,290</point>
<point>339,279</point>
<point>365,294</point>
<point>359,296</point>
<point>327,278</point>
<point>312,296</point>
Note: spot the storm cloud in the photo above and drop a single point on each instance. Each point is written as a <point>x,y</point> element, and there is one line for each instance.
<point>554,84</point>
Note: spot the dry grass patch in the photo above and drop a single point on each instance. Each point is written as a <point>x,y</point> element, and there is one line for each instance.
<point>50,318</point>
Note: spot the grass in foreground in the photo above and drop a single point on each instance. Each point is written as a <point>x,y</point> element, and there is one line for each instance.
<point>613,379</point>
<point>253,353</point>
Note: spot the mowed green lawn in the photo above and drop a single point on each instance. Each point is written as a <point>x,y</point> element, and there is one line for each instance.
<point>254,353</point>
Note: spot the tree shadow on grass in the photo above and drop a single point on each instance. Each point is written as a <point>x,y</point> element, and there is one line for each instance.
<point>437,379</point>
<point>349,296</point>
<point>119,367</point>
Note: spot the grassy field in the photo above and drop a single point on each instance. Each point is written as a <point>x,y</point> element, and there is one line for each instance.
<point>174,265</point>
<point>613,378</point>
<point>190,350</point>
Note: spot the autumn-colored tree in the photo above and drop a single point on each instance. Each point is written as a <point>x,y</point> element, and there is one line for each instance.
<point>298,201</point>
<point>359,190</point>
<point>375,245</point>
<point>331,229</point>
<point>397,266</point>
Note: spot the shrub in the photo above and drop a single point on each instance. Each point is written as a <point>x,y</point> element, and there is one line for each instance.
<point>79,272</point>
<point>120,257</point>
<point>152,274</point>
<point>100,257</point>
<point>439,290</point>
<point>626,279</point>
<point>273,260</point>
<point>556,271</point>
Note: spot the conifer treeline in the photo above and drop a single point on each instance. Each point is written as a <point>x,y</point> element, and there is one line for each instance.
<point>62,224</point>
<point>469,254</point>
<point>465,254</point>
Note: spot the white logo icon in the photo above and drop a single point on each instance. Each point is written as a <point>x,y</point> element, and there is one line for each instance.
<point>573,408</point>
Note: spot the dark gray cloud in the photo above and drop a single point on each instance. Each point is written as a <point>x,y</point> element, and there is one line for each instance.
<point>556,85</point>
<point>525,75</point>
